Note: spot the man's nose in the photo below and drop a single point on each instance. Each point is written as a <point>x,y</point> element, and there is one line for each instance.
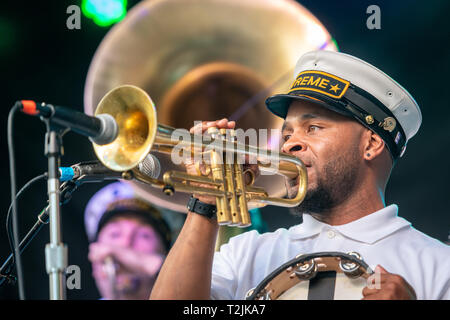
<point>125,241</point>
<point>293,145</point>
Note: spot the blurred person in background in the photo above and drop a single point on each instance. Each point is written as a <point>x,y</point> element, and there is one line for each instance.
<point>129,240</point>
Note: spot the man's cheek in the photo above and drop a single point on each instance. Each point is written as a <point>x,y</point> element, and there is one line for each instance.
<point>312,178</point>
<point>145,247</point>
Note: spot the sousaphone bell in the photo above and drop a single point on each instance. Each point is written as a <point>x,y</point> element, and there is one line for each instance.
<point>203,60</point>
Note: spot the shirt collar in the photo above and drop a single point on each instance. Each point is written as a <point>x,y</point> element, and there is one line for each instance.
<point>367,229</point>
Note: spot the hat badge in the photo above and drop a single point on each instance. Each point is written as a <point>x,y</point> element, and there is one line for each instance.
<point>388,124</point>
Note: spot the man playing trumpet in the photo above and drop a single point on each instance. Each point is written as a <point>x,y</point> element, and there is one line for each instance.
<point>349,123</point>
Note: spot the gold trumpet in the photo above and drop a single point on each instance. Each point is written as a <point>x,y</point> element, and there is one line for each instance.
<point>139,133</point>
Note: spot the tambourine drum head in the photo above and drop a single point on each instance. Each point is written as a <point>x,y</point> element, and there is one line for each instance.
<point>318,276</point>
<point>327,285</point>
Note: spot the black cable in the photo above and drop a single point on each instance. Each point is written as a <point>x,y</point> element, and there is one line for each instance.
<point>8,216</point>
<point>12,174</point>
<point>66,189</point>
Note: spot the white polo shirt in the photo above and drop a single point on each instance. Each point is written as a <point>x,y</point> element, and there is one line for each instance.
<point>380,238</point>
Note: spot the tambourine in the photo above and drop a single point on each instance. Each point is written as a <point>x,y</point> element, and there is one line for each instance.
<point>317,276</point>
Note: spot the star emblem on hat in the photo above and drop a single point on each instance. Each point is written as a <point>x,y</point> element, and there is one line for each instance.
<point>335,88</point>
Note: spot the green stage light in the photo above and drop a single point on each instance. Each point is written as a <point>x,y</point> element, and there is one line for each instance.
<point>104,12</point>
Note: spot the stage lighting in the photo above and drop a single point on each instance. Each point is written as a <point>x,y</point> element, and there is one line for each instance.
<point>104,12</point>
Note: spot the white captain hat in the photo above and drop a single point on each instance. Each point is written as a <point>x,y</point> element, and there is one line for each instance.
<point>355,88</point>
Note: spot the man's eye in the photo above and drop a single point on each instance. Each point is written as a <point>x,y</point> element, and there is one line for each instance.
<point>144,235</point>
<point>114,234</point>
<point>313,128</point>
<point>286,137</point>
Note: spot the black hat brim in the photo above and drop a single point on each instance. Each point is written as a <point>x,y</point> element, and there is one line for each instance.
<point>279,104</point>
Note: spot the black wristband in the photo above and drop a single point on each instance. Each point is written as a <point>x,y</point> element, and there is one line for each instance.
<point>204,209</point>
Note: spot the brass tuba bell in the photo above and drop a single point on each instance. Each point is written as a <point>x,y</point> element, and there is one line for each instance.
<point>205,60</point>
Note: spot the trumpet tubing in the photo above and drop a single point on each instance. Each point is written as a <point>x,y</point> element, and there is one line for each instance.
<point>139,133</point>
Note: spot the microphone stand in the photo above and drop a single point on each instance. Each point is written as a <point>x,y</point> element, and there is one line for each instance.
<point>56,253</point>
<point>67,188</point>
<point>102,129</point>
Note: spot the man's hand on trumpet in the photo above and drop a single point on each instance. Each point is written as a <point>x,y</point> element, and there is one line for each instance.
<point>196,169</point>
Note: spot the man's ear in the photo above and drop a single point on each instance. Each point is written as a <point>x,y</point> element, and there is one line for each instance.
<point>373,145</point>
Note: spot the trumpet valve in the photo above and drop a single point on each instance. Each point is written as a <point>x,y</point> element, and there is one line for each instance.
<point>213,132</point>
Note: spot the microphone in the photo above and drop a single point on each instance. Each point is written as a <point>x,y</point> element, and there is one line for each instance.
<point>110,268</point>
<point>150,166</point>
<point>101,129</point>
<point>93,171</point>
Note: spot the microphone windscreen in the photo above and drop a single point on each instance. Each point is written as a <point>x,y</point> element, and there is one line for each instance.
<point>150,166</point>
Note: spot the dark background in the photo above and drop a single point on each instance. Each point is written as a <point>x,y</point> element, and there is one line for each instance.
<point>42,60</point>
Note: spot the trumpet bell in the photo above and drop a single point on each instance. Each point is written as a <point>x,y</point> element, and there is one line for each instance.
<point>135,114</point>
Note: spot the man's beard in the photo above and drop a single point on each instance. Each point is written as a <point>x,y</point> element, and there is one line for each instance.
<point>335,183</point>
